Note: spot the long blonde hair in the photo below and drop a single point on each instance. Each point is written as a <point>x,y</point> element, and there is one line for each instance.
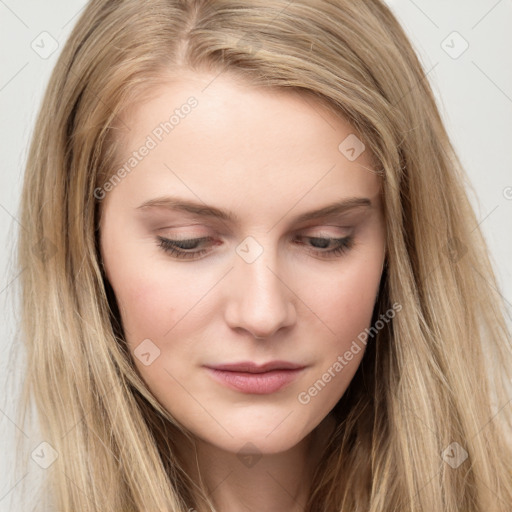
<point>434,376</point>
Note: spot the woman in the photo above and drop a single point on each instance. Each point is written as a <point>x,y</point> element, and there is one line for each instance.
<point>259,284</point>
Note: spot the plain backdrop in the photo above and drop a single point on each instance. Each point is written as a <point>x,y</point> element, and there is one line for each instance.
<point>464,47</point>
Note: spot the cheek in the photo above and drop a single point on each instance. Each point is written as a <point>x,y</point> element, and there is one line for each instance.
<point>345,302</point>
<point>148,308</point>
<point>346,306</point>
<point>151,310</point>
<point>152,296</point>
<point>163,305</point>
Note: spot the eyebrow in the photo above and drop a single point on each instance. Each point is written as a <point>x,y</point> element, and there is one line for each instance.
<point>180,204</point>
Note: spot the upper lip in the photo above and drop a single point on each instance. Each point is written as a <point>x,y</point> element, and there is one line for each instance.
<point>250,367</point>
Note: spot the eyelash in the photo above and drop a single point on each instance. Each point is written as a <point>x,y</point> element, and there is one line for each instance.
<point>169,246</point>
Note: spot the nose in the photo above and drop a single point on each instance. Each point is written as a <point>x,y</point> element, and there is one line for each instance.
<point>260,300</point>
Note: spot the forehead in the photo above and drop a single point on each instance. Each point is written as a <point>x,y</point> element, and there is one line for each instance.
<point>242,144</point>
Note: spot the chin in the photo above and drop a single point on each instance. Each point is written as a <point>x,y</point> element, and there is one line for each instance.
<point>265,435</point>
<point>256,442</point>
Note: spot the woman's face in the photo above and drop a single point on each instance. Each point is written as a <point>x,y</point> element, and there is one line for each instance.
<point>236,179</point>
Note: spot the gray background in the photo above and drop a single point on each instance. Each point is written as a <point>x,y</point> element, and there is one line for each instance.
<point>473,88</point>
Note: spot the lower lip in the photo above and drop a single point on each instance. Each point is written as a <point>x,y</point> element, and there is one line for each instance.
<point>256,383</point>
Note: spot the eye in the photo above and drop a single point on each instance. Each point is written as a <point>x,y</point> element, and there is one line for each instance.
<point>180,248</point>
<point>341,245</point>
<point>186,249</point>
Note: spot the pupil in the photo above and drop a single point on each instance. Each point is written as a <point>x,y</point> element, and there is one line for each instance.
<point>188,244</point>
<point>322,242</point>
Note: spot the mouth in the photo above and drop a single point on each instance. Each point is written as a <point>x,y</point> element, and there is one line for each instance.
<point>249,377</point>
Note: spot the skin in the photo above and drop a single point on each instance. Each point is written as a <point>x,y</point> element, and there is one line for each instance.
<point>266,156</point>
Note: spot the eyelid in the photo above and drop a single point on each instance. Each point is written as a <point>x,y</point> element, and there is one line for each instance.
<point>344,245</point>
<point>324,229</point>
<point>307,232</point>
<point>309,226</point>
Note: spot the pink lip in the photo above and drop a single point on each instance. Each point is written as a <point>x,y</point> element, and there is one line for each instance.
<point>249,377</point>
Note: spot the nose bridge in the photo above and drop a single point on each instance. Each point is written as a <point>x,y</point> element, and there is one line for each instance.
<point>261,302</point>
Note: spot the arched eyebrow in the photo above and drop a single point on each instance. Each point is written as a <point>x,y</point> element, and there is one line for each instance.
<point>174,203</point>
